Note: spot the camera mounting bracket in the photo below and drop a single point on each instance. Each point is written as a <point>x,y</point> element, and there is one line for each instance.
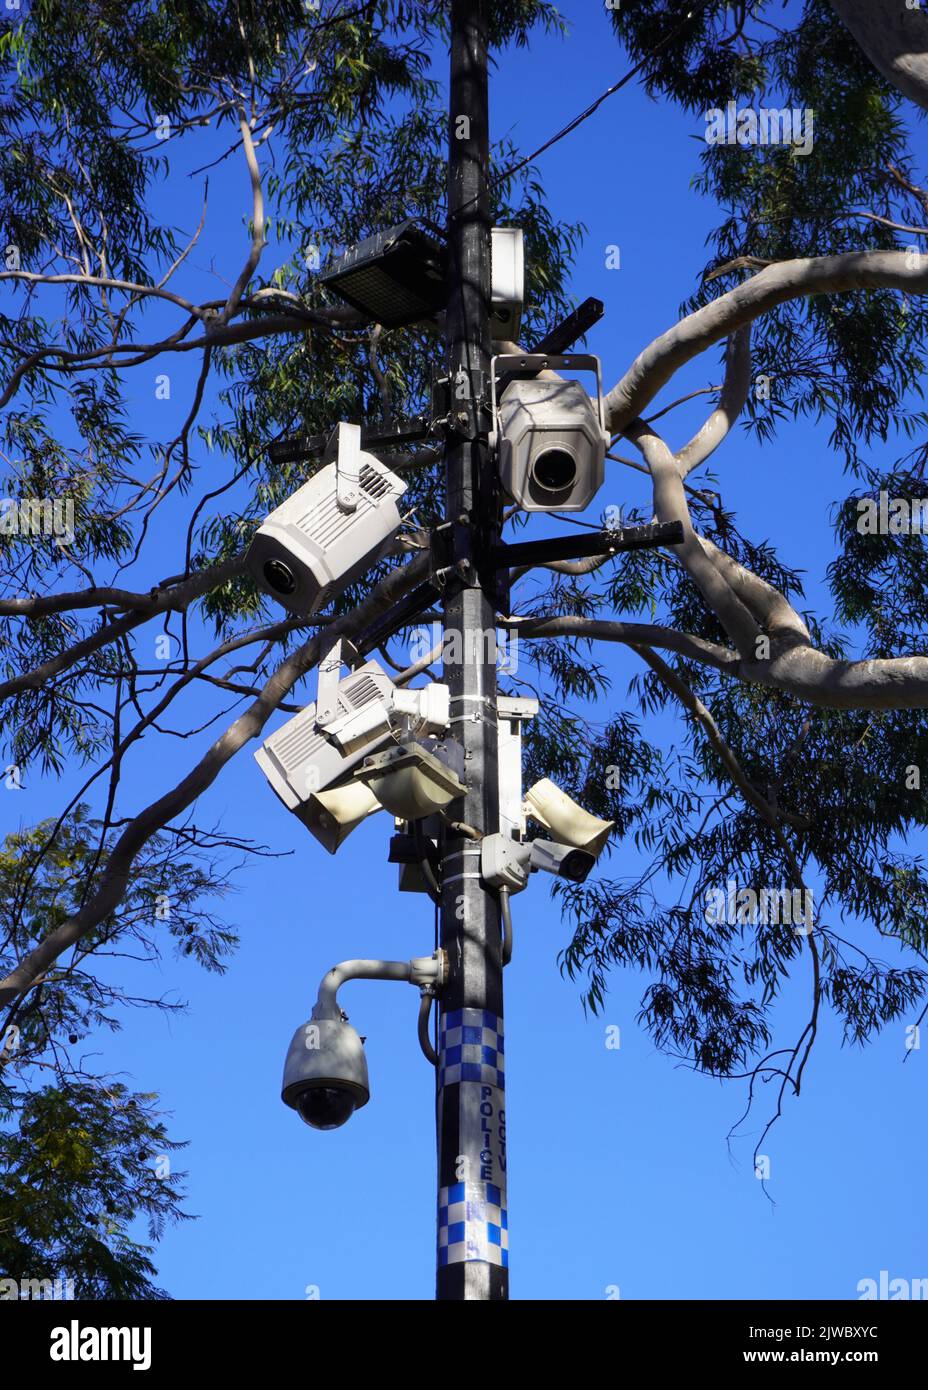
<point>344,445</point>
<point>531,363</point>
<point>329,671</point>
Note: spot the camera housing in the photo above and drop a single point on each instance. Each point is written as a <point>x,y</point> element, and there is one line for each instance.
<point>507,863</point>
<point>313,546</point>
<point>565,861</point>
<point>325,1074</point>
<point>548,434</point>
<point>301,761</point>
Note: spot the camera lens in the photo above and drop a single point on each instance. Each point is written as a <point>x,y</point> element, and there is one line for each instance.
<point>576,865</point>
<point>554,471</point>
<point>279,577</point>
<point>326,1107</point>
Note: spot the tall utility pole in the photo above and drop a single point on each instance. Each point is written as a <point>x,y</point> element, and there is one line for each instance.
<point>472,1216</point>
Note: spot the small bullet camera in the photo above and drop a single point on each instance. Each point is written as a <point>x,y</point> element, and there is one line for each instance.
<point>563,860</point>
<point>505,863</point>
<point>325,1074</point>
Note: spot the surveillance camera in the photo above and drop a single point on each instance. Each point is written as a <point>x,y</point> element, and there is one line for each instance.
<point>550,439</point>
<point>322,538</point>
<point>325,1074</point>
<point>565,861</point>
<point>506,863</point>
<point>302,762</point>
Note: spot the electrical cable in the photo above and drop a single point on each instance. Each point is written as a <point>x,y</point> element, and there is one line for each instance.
<point>506,914</point>
<point>610,91</point>
<point>425,1042</point>
<point>425,863</point>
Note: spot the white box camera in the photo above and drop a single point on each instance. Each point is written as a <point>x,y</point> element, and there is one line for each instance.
<point>330,532</point>
<point>309,765</point>
<point>549,436</point>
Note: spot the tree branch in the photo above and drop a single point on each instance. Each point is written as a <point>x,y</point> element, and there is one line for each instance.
<point>249,725</point>
<point>779,283</point>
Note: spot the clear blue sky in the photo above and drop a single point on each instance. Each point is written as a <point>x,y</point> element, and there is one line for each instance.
<point>619,1174</point>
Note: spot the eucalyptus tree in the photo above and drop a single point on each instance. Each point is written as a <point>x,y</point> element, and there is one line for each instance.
<point>814,292</point>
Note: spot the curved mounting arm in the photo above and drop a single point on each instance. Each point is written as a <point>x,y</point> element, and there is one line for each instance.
<point>421,971</point>
<point>543,361</point>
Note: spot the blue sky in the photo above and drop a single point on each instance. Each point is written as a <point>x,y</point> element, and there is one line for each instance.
<point>619,1172</point>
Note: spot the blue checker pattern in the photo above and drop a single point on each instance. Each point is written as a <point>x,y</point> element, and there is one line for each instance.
<point>473,1224</point>
<point>470,1045</point>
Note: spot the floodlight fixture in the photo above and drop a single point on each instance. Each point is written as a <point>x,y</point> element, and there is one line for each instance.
<point>302,763</point>
<point>417,777</point>
<point>395,277</point>
<point>399,277</point>
<point>310,759</point>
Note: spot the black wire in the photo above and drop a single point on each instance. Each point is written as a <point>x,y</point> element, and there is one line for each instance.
<point>610,91</point>
<point>504,174</point>
<point>588,525</point>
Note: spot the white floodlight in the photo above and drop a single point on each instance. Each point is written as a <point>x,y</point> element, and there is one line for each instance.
<point>330,531</point>
<point>300,761</point>
<point>416,778</point>
<point>309,761</point>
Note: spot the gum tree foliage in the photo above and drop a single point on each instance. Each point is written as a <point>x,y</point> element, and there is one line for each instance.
<point>82,1157</point>
<point>335,121</point>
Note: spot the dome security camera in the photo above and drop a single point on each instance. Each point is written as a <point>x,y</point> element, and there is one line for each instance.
<point>549,436</point>
<point>325,1074</point>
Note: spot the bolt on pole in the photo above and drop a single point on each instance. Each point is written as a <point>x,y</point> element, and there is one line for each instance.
<point>473,1233</point>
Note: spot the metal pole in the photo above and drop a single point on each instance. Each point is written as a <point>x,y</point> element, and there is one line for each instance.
<point>472,1216</point>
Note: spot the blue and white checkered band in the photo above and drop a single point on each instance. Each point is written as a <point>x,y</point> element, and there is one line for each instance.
<point>472,1224</point>
<point>471,1048</point>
